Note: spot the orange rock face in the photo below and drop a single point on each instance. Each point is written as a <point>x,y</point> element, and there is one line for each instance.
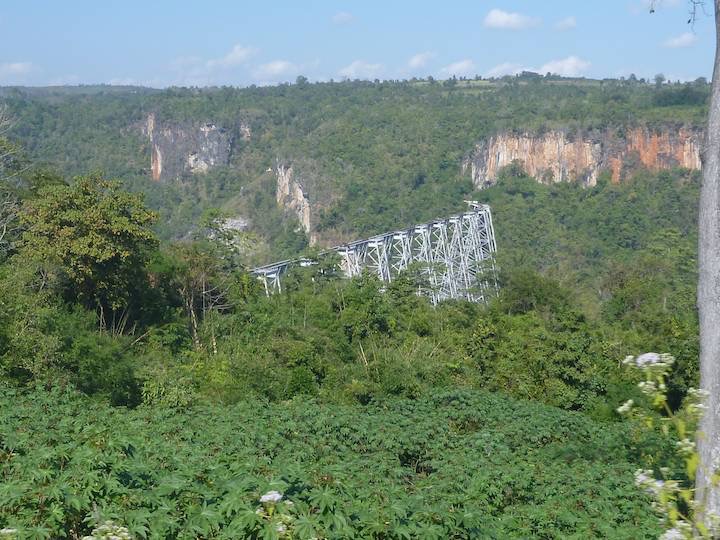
<point>554,156</point>
<point>156,163</point>
<point>663,150</point>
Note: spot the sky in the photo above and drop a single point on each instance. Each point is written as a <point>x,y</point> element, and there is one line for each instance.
<point>234,42</point>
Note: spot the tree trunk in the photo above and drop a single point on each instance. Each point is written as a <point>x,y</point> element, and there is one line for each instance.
<point>709,294</point>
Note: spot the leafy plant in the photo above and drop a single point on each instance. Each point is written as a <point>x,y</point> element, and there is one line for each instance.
<point>453,464</point>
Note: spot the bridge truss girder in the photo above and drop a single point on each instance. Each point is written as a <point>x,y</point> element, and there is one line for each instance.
<point>455,255</point>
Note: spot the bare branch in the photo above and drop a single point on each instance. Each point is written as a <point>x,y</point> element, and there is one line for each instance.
<point>6,122</point>
<point>9,223</point>
<point>695,7</point>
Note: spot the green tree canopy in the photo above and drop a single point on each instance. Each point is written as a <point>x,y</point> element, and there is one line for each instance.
<point>93,234</point>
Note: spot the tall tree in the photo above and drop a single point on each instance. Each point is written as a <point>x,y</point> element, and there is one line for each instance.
<point>708,491</point>
<point>97,236</point>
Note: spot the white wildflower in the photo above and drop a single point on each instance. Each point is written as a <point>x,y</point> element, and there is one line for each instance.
<point>698,394</point>
<point>645,480</point>
<point>642,476</point>
<point>673,534</point>
<point>281,528</point>
<point>7,531</point>
<point>650,361</point>
<point>648,387</point>
<point>109,531</point>
<point>271,497</point>
<point>625,407</point>
<point>697,409</point>
<point>686,446</point>
<point>680,531</point>
<point>647,359</point>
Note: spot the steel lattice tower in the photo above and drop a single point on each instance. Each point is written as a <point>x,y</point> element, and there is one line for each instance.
<point>456,255</point>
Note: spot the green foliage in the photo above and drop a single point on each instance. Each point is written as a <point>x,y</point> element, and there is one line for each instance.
<point>378,155</point>
<point>350,341</point>
<point>207,332</point>
<point>681,512</point>
<point>96,234</point>
<point>452,465</point>
<point>562,362</point>
<point>42,341</point>
<point>524,290</point>
<point>357,400</point>
<point>625,254</point>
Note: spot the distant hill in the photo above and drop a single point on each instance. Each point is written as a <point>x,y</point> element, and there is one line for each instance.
<point>333,161</point>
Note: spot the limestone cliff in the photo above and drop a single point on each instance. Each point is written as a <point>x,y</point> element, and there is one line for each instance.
<point>177,150</point>
<point>557,156</point>
<point>291,196</point>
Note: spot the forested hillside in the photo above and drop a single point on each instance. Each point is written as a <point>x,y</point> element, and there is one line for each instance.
<point>147,378</point>
<point>370,156</point>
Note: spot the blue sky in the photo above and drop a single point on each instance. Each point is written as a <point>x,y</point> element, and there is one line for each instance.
<point>232,42</point>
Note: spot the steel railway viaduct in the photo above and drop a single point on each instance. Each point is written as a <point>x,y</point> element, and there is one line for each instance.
<point>455,256</point>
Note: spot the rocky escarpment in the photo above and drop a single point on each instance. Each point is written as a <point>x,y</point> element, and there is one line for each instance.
<point>178,150</point>
<point>291,195</point>
<point>305,191</point>
<point>558,156</point>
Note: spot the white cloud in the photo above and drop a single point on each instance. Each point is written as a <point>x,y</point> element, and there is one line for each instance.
<point>197,71</point>
<point>15,68</point>
<point>506,68</point>
<point>124,81</point>
<point>572,66</point>
<point>420,60</point>
<point>461,67</point>
<point>343,17</point>
<point>360,69</point>
<point>566,24</point>
<point>277,67</point>
<point>683,40</point>
<point>497,18</point>
<point>238,55</point>
<point>65,80</point>
<point>277,71</point>
<point>15,72</point>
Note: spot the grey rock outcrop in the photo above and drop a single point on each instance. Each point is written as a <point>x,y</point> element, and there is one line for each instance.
<point>178,150</point>
<point>291,195</point>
